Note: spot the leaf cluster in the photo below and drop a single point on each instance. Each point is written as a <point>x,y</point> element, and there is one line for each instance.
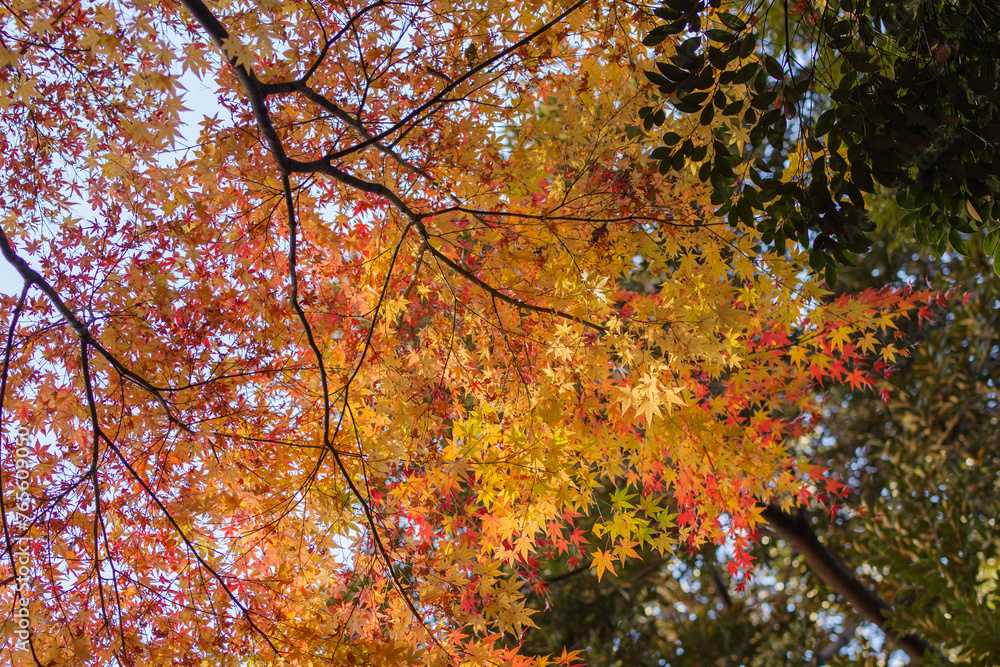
<point>837,101</point>
<point>921,465</point>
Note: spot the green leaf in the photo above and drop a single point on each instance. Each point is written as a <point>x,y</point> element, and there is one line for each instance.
<point>764,100</point>
<point>862,176</point>
<point>655,78</point>
<point>816,260</point>
<point>693,98</point>
<point>689,47</point>
<point>745,212</point>
<point>825,122</point>
<point>908,219</point>
<point>668,13</point>
<point>935,233</point>
<point>957,242</point>
<point>746,73</point>
<point>718,57</point>
<point>831,275</point>
<point>672,72</point>
<point>962,225</point>
<point>732,21</point>
<point>774,68</point>
<point>733,108</point>
<point>704,171</point>
<point>718,35</point>
<point>990,242</point>
<point>657,35</point>
<point>779,243</point>
<point>844,257</point>
<point>942,244</point>
<point>707,114</point>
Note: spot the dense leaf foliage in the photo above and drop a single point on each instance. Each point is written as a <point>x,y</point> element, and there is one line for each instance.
<point>341,321</point>
<point>798,113</point>
<point>921,467</point>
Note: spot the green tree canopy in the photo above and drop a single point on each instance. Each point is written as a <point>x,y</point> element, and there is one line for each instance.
<point>797,113</point>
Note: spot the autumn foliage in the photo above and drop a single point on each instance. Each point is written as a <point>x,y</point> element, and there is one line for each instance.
<point>337,373</point>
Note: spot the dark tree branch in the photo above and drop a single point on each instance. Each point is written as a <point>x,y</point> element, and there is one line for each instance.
<point>324,166</point>
<point>441,96</point>
<point>8,542</point>
<point>799,533</point>
<point>341,114</point>
<point>720,586</point>
<point>257,94</point>
<point>496,293</point>
<point>32,277</point>
<point>255,90</point>
<point>219,578</point>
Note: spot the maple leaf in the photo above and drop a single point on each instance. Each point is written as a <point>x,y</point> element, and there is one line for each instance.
<point>236,52</point>
<point>857,379</point>
<point>798,355</point>
<point>626,549</point>
<point>601,561</point>
<point>840,336</point>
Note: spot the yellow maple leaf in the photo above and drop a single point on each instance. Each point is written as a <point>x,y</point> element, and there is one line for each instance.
<point>236,52</point>
<point>602,561</point>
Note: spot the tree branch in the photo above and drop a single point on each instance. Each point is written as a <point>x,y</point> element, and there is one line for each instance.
<point>440,97</point>
<point>799,533</point>
<point>254,88</point>
<point>341,114</point>
<point>32,277</point>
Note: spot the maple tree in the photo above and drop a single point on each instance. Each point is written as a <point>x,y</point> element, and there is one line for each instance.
<point>923,466</point>
<point>330,381</point>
